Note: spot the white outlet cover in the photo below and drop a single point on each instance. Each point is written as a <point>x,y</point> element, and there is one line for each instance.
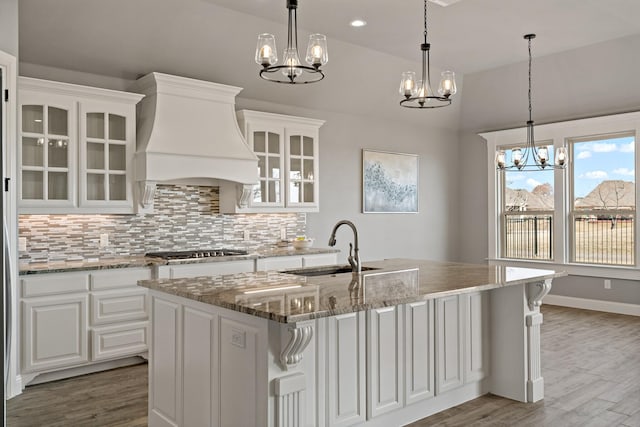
<point>22,244</point>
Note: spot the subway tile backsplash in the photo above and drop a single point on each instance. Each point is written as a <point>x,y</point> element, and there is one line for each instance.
<point>185,217</point>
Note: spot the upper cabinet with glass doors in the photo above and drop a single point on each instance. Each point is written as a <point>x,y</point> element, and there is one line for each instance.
<point>76,148</point>
<point>287,151</point>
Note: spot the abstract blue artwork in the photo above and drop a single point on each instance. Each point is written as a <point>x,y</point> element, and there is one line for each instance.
<point>390,182</point>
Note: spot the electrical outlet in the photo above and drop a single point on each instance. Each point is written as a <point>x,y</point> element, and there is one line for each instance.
<point>104,240</point>
<point>607,283</point>
<point>238,338</point>
<point>247,235</point>
<point>22,244</point>
<point>283,233</point>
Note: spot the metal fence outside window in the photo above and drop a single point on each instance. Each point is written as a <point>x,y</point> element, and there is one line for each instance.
<point>528,235</point>
<point>604,237</point>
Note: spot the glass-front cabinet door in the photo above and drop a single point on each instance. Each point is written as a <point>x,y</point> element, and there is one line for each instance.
<point>287,152</point>
<point>75,148</point>
<point>267,144</point>
<point>46,152</point>
<point>302,169</point>
<point>104,152</point>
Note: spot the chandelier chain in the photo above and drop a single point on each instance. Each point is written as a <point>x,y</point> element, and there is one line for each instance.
<point>425,21</point>
<point>530,114</point>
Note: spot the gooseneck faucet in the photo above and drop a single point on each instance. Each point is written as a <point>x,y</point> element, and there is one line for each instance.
<point>354,260</point>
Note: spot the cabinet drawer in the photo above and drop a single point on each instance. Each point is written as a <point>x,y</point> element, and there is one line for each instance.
<point>54,284</point>
<point>118,306</point>
<point>108,342</point>
<point>120,278</point>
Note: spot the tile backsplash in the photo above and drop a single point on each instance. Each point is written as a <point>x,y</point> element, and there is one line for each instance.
<point>185,217</point>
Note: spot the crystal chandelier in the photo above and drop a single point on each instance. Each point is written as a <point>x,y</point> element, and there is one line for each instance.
<point>521,158</point>
<point>292,71</point>
<point>419,94</point>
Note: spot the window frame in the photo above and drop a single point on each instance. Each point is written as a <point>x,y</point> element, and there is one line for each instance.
<point>560,134</point>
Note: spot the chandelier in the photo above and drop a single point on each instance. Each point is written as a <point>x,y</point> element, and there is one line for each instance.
<point>292,71</point>
<point>520,158</point>
<point>419,94</point>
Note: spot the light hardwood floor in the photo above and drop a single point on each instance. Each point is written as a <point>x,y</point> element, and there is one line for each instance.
<point>591,366</point>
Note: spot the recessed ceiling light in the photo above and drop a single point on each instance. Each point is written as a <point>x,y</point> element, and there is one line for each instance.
<point>358,23</point>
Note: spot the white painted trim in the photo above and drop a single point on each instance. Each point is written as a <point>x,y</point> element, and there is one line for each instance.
<point>592,304</point>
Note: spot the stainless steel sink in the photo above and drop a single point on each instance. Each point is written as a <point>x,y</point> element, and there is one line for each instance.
<point>326,270</point>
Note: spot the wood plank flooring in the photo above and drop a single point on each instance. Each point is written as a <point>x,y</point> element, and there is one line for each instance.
<point>591,367</point>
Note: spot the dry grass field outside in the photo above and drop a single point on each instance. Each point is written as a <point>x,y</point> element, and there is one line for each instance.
<point>595,241</point>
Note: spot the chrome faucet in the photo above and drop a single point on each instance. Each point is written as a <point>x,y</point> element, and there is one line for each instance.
<point>354,260</point>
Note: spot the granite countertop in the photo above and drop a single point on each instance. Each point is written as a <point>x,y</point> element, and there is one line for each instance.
<point>142,261</point>
<point>289,298</point>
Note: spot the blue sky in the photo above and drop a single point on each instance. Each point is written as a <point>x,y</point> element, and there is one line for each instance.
<point>595,161</point>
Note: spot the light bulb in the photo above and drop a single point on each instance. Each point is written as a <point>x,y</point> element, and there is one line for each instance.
<point>408,84</point>
<point>561,156</point>
<point>516,155</point>
<point>543,155</point>
<point>447,84</point>
<point>266,53</point>
<point>291,61</point>
<point>317,50</point>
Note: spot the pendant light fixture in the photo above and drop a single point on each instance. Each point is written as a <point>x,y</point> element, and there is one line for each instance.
<point>531,157</point>
<point>292,71</point>
<point>419,94</point>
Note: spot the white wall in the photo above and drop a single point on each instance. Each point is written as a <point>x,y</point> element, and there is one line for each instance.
<point>427,234</point>
<point>591,81</point>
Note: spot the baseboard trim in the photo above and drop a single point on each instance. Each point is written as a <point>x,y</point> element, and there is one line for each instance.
<point>592,304</point>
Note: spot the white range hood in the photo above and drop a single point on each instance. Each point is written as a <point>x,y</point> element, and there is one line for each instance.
<point>188,133</point>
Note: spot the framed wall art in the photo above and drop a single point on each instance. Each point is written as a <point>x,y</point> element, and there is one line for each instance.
<point>389,182</point>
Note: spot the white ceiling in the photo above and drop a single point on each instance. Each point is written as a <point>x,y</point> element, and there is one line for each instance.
<point>215,40</point>
<point>467,36</point>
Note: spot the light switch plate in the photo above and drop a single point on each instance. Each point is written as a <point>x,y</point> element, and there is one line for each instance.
<point>104,240</point>
<point>22,244</point>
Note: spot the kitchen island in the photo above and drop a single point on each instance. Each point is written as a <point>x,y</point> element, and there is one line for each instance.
<point>403,340</point>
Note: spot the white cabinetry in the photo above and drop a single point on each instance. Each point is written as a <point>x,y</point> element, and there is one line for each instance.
<point>295,261</point>
<point>385,348</point>
<point>212,268</point>
<point>54,321</point>
<point>449,341</point>
<point>77,318</point>
<point>287,151</point>
<point>346,389</point>
<point>461,331</point>
<point>419,351</point>
<point>119,313</point>
<point>76,147</point>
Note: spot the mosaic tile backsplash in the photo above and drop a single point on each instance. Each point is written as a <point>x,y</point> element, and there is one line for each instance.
<point>185,217</point>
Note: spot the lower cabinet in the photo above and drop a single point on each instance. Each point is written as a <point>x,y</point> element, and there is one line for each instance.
<point>54,332</point>
<point>74,319</point>
<point>410,353</point>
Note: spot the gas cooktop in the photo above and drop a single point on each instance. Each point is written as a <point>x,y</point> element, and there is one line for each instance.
<point>199,253</point>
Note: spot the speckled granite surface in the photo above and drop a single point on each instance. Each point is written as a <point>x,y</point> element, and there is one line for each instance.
<point>288,298</point>
<point>141,261</point>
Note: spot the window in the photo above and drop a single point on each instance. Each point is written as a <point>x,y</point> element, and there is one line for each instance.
<point>527,212</point>
<point>603,200</point>
<point>583,217</point>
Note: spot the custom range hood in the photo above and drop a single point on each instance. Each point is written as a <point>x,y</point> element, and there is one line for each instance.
<point>188,133</point>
